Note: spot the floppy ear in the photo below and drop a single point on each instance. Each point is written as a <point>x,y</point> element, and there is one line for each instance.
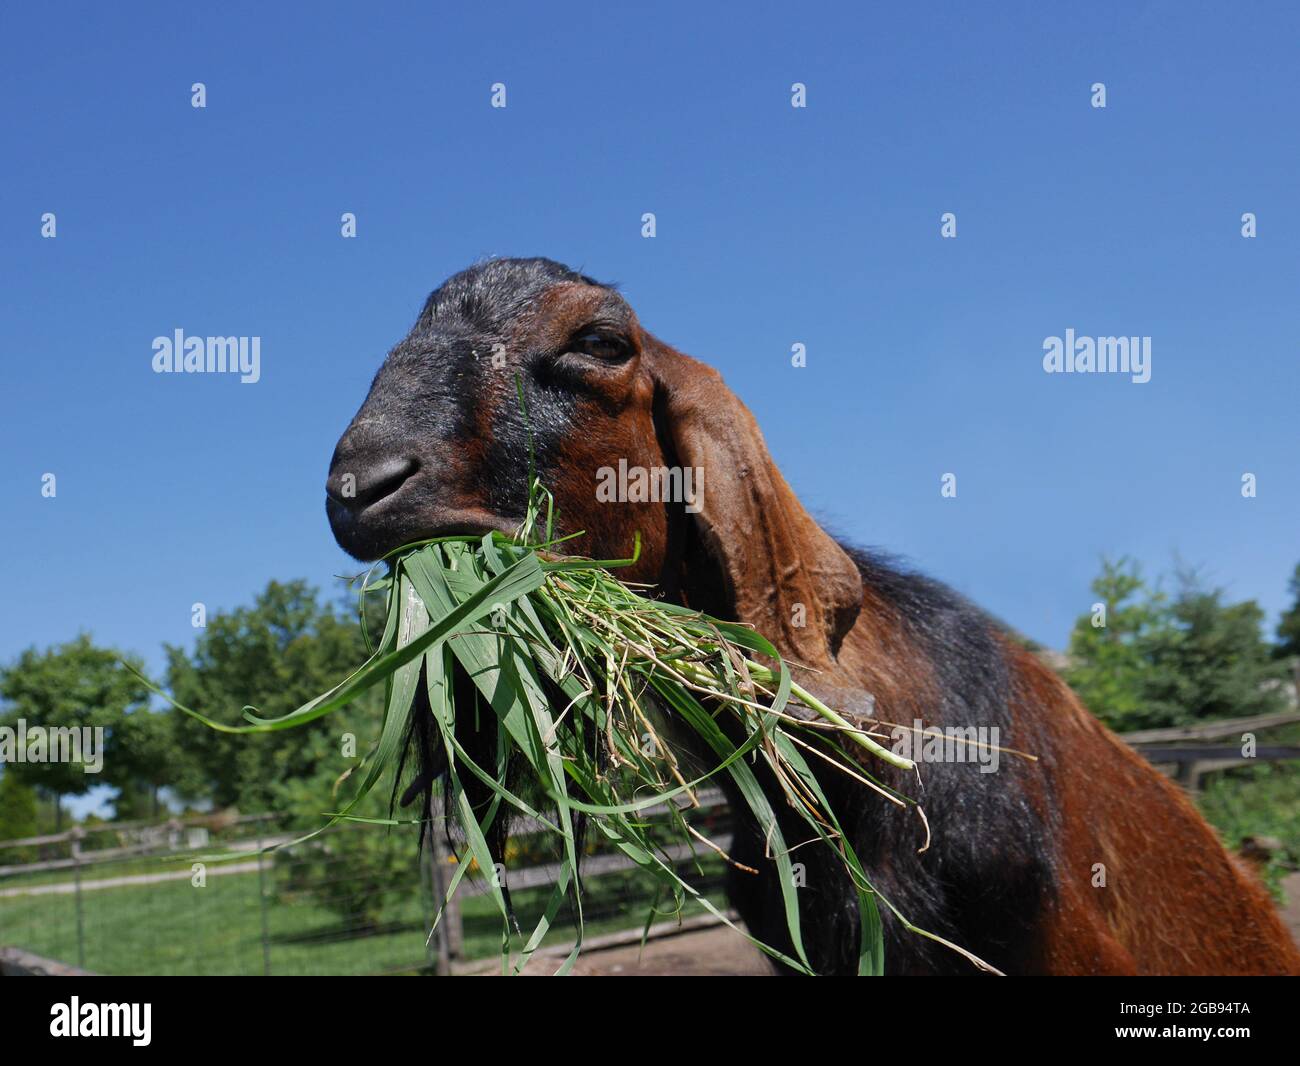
<point>774,557</point>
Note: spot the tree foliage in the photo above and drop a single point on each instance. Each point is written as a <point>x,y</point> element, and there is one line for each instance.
<point>18,816</point>
<point>76,685</point>
<point>1165,660</point>
<point>275,655</point>
<point>1288,628</point>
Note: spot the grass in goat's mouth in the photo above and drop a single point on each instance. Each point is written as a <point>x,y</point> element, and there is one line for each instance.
<point>524,624</point>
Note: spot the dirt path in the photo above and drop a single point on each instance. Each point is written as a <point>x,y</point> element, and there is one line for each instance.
<point>66,888</point>
<point>714,952</point>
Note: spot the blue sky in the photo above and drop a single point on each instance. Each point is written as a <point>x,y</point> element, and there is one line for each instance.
<point>775,226</point>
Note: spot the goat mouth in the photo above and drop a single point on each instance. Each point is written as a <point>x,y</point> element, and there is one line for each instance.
<point>378,530</point>
<point>469,524</point>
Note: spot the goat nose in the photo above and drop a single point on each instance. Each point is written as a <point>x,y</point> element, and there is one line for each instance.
<point>359,483</point>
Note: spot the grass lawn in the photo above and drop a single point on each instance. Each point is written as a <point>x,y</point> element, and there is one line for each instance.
<point>172,928</point>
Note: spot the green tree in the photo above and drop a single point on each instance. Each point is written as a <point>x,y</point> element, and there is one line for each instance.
<point>1108,656</point>
<point>73,685</point>
<point>149,758</point>
<point>1213,661</point>
<point>18,817</point>
<point>1288,628</point>
<point>275,655</point>
<point>1161,662</point>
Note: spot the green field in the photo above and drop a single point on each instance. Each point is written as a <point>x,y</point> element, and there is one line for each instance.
<point>171,928</point>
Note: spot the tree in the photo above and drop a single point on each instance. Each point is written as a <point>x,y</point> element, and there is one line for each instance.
<point>275,655</point>
<point>74,685</point>
<point>1213,661</point>
<point>1161,662</point>
<point>148,758</point>
<point>18,816</point>
<point>1288,628</point>
<point>1107,651</point>
<point>1287,648</point>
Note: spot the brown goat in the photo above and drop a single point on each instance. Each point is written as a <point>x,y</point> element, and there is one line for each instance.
<point>1086,861</point>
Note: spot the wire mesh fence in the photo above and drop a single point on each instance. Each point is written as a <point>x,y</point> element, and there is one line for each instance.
<point>135,898</point>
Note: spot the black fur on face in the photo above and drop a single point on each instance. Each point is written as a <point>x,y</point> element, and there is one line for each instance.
<point>441,444</point>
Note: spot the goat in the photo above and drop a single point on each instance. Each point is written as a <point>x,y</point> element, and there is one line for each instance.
<point>1014,872</point>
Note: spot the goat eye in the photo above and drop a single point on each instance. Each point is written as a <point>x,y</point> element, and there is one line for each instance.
<point>600,346</point>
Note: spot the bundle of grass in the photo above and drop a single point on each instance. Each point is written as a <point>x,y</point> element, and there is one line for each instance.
<point>576,667</point>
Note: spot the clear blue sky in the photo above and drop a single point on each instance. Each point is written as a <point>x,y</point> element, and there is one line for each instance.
<point>775,226</point>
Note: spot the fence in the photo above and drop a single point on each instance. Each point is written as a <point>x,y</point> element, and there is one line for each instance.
<point>136,898</point>
<point>128,898</point>
<point>1183,749</point>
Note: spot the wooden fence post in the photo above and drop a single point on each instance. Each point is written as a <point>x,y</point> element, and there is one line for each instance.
<point>449,934</point>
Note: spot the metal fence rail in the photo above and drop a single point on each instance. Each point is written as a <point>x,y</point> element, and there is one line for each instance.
<point>140,898</point>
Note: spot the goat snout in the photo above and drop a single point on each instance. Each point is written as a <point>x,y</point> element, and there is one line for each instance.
<point>365,493</point>
<point>361,483</point>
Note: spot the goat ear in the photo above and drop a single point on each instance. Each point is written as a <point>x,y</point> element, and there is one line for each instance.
<point>775,558</point>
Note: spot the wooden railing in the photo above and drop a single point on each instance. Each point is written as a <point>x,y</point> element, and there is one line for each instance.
<point>1171,747</point>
